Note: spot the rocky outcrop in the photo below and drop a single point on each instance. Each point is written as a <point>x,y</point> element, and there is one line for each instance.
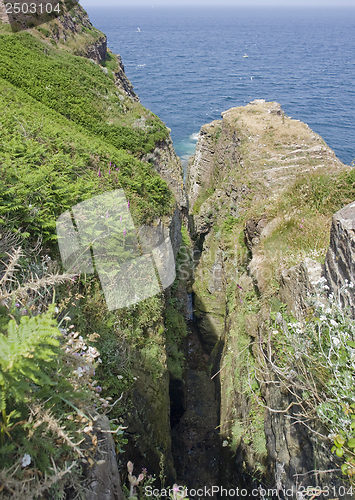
<point>243,164</point>
<point>76,23</point>
<point>3,15</point>
<point>293,450</point>
<point>97,51</point>
<point>216,151</point>
<point>122,81</point>
<point>73,31</point>
<point>166,163</point>
<point>340,258</point>
<point>253,230</point>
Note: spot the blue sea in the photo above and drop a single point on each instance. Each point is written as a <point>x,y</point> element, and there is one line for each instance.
<point>189,64</point>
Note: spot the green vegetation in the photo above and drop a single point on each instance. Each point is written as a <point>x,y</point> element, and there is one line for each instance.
<point>202,197</point>
<point>228,224</point>
<point>50,164</point>
<point>77,89</point>
<point>46,389</point>
<point>323,194</point>
<point>292,215</point>
<point>246,427</point>
<point>175,326</point>
<point>68,134</point>
<point>30,355</point>
<point>315,360</point>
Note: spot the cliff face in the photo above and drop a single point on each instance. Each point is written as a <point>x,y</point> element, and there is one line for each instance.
<point>73,32</point>
<point>254,219</point>
<point>253,205</point>
<point>139,145</point>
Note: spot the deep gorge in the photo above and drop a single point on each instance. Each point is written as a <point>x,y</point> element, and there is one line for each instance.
<point>203,372</point>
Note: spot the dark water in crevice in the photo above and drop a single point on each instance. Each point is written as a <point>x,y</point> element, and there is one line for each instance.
<point>195,433</point>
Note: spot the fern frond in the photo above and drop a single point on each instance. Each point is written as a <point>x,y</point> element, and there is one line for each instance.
<point>24,354</point>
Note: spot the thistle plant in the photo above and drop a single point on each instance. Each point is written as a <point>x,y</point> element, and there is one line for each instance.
<point>46,387</point>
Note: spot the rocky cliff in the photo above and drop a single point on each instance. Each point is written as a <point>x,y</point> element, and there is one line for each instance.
<point>262,189</point>
<point>261,219</point>
<point>134,346</point>
<point>73,32</point>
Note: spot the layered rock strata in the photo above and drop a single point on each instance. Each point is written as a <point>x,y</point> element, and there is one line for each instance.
<point>242,166</point>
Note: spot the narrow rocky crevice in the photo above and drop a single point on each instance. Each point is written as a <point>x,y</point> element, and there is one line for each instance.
<point>195,435</point>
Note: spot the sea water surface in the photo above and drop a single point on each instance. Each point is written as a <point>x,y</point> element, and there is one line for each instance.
<point>189,64</point>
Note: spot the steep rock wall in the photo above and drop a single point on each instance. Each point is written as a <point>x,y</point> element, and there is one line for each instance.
<point>340,258</point>
<point>242,166</point>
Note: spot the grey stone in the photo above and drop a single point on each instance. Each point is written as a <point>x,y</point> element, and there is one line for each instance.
<point>296,282</point>
<point>340,258</point>
<point>104,479</point>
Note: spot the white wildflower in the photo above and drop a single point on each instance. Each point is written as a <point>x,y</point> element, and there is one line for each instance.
<point>26,460</point>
